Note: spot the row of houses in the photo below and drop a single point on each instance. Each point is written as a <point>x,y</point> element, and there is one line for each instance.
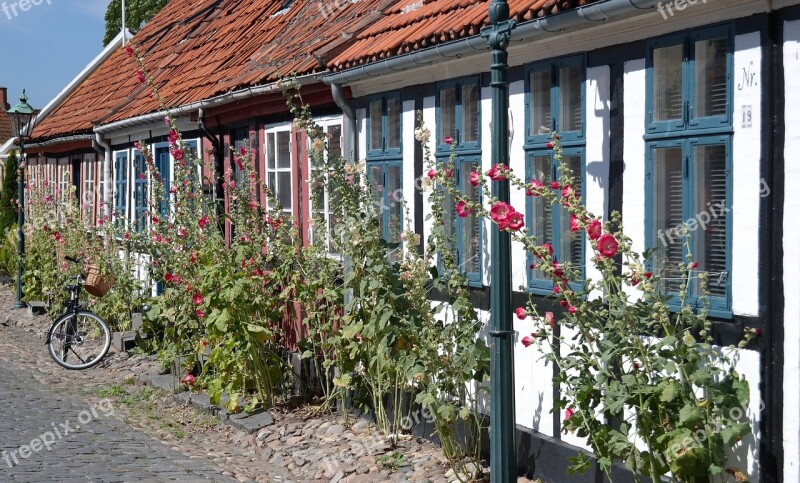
<point>672,113</point>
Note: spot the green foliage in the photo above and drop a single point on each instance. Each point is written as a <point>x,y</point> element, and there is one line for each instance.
<point>10,188</point>
<point>8,252</point>
<point>138,13</point>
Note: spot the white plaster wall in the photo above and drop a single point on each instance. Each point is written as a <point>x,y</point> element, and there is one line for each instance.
<point>429,120</point>
<point>519,273</point>
<point>533,383</point>
<point>409,183</point>
<point>746,180</point>
<point>486,162</point>
<point>791,256</point>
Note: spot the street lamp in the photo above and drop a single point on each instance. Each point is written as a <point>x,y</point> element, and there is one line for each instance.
<point>502,431</point>
<point>23,118</point>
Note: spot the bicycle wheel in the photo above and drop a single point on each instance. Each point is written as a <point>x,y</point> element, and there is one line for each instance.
<point>80,341</point>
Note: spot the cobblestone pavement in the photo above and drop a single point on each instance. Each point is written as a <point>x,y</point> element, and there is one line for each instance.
<point>152,434</point>
<point>47,436</point>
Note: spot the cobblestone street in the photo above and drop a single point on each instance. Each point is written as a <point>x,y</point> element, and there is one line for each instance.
<point>119,430</point>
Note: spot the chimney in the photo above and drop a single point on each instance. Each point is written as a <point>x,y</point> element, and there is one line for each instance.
<point>4,98</point>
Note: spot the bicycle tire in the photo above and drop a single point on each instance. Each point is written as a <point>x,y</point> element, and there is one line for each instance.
<point>63,340</point>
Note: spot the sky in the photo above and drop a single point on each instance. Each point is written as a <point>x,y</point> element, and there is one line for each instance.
<point>44,48</point>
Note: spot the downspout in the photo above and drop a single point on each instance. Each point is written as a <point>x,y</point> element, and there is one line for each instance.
<point>107,177</point>
<point>216,143</point>
<point>351,138</point>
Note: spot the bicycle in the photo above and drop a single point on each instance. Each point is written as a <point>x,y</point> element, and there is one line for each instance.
<point>79,334</point>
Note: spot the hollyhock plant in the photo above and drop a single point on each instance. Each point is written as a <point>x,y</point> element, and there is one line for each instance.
<point>527,341</point>
<point>607,245</point>
<point>521,313</point>
<point>474,178</point>
<point>498,172</point>
<point>594,229</point>
<point>462,209</point>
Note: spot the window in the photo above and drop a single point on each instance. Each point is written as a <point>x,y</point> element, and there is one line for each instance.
<point>689,82</point>
<point>163,164</point>
<point>555,93</point>
<point>88,203</point>
<point>385,125</point>
<point>688,185</point>
<point>458,129</point>
<point>121,186</point>
<point>139,192</point>
<point>279,165</point>
<point>551,223</point>
<point>384,164</point>
<point>555,101</point>
<point>240,140</point>
<point>322,199</point>
<point>458,115</point>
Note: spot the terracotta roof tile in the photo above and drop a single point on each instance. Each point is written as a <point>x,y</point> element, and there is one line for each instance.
<point>416,24</point>
<point>6,129</point>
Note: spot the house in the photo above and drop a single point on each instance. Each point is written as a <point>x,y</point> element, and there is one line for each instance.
<point>6,129</point>
<point>672,113</point>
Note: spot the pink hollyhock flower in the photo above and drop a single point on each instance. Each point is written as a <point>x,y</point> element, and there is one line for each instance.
<point>200,314</point>
<point>182,233</point>
<point>193,257</point>
<point>474,178</point>
<point>521,313</point>
<point>253,204</point>
<point>527,341</point>
<point>535,184</point>
<point>595,229</point>
<point>497,172</point>
<point>197,299</point>
<point>462,210</point>
<point>567,192</point>
<point>500,211</point>
<point>548,317</point>
<point>448,140</point>
<point>140,76</point>
<point>188,379</point>
<point>239,163</point>
<point>547,247</point>
<point>568,414</point>
<point>555,185</point>
<point>515,220</point>
<point>573,223</point>
<point>694,265</point>
<point>202,222</point>
<point>607,245</point>
<point>431,173</point>
<point>167,121</point>
<point>572,309</point>
<point>556,289</point>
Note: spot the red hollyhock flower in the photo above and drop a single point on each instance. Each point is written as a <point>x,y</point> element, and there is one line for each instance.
<point>548,317</point>
<point>568,414</point>
<point>564,304</point>
<point>648,275</point>
<point>572,309</point>
<point>549,145</point>
<point>500,211</point>
<point>595,229</point>
<point>474,178</point>
<point>567,192</point>
<point>535,184</point>
<point>573,223</point>
<point>173,136</point>
<point>243,151</point>
<point>607,245</point>
<point>462,210</point>
<point>555,185</point>
<point>694,265</point>
<point>431,173</point>
<point>202,222</point>
<point>448,140</point>
<point>168,277</point>
<point>129,50</point>
<point>200,314</point>
<point>521,313</point>
<point>197,299</point>
<point>140,76</point>
<point>549,248</point>
<point>178,154</point>
<point>188,379</point>
<point>515,220</point>
<point>527,341</point>
<point>498,172</point>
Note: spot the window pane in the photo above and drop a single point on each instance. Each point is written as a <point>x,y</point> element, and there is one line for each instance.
<point>541,114</point>
<point>394,215</point>
<point>335,141</point>
<point>271,150</point>
<point>470,96</point>
<point>470,228</point>
<point>284,153</point>
<point>541,212</point>
<point>375,179</point>
<point>667,83</point>
<point>569,98</point>
<point>447,113</point>
<point>711,77</point>
<point>394,110</point>
<point>376,125</point>
<point>710,192</point>
<point>667,215</point>
<point>285,190</point>
<point>271,183</point>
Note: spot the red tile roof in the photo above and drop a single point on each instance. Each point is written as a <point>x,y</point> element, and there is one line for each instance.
<point>416,24</point>
<point>199,49</point>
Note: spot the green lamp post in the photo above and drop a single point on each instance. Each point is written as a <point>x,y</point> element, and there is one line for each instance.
<point>23,118</point>
<point>502,439</point>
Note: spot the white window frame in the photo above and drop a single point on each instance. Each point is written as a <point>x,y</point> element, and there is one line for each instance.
<point>325,124</point>
<point>274,129</point>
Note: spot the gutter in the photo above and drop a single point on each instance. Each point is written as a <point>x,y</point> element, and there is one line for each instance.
<point>576,19</point>
<point>66,139</point>
<point>351,140</point>
<point>196,106</point>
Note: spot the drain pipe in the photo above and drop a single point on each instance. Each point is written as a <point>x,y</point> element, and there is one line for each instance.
<point>216,144</point>
<point>351,139</point>
<point>108,180</point>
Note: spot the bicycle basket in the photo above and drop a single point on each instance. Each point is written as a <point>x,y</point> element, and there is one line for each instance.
<point>97,284</point>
